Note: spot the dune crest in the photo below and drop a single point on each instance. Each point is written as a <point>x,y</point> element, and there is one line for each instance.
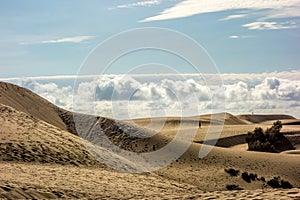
<point>262,118</point>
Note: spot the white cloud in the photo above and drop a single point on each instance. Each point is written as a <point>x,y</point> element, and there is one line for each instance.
<point>237,92</point>
<point>59,95</point>
<point>76,39</point>
<point>240,36</point>
<point>271,95</point>
<point>139,4</point>
<point>272,8</point>
<point>234,37</point>
<point>270,25</point>
<point>230,17</point>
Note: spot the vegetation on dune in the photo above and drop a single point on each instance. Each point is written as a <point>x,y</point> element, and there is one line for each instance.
<point>276,182</point>
<point>232,172</point>
<point>271,140</point>
<point>233,187</point>
<point>249,177</point>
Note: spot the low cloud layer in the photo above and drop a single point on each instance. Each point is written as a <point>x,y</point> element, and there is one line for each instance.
<point>145,96</point>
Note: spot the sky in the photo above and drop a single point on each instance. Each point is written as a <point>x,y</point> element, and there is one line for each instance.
<point>253,45</point>
<point>39,38</point>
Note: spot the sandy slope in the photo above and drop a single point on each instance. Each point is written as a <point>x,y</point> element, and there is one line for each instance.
<point>52,162</point>
<point>28,139</point>
<point>56,181</point>
<point>233,132</point>
<point>26,101</point>
<point>262,118</point>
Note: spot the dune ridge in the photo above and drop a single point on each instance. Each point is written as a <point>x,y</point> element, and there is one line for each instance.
<point>255,118</point>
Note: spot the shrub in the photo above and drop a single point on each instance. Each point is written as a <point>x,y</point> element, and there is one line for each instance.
<point>276,182</point>
<point>253,177</point>
<point>286,184</point>
<point>258,140</point>
<point>232,172</point>
<point>233,187</point>
<point>263,179</point>
<point>246,177</point>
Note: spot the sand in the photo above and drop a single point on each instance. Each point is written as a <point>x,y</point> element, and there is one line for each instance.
<point>43,157</point>
<point>57,181</point>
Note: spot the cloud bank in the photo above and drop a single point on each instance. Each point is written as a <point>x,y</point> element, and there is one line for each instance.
<point>154,96</point>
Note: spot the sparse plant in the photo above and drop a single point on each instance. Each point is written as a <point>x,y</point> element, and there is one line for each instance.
<point>286,184</point>
<point>233,187</point>
<point>253,177</point>
<point>276,182</point>
<point>232,172</point>
<point>246,177</point>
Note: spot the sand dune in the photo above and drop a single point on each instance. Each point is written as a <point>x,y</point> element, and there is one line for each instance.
<point>26,101</point>
<point>49,181</point>
<point>39,142</point>
<point>229,119</point>
<point>262,118</point>
<point>28,139</point>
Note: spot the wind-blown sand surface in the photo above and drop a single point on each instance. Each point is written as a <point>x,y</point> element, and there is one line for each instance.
<point>42,156</point>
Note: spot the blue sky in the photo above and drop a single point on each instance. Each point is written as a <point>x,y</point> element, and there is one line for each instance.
<point>39,38</point>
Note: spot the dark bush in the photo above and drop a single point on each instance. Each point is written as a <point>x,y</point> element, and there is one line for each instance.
<point>263,179</point>
<point>246,177</point>
<point>233,187</point>
<point>258,140</point>
<point>286,184</point>
<point>253,177</point>
<point>232,172</point>
<point>275,182</point>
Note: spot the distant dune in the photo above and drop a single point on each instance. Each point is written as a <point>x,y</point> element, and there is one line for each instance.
<point>262,118</point>
<point>42,155</point>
